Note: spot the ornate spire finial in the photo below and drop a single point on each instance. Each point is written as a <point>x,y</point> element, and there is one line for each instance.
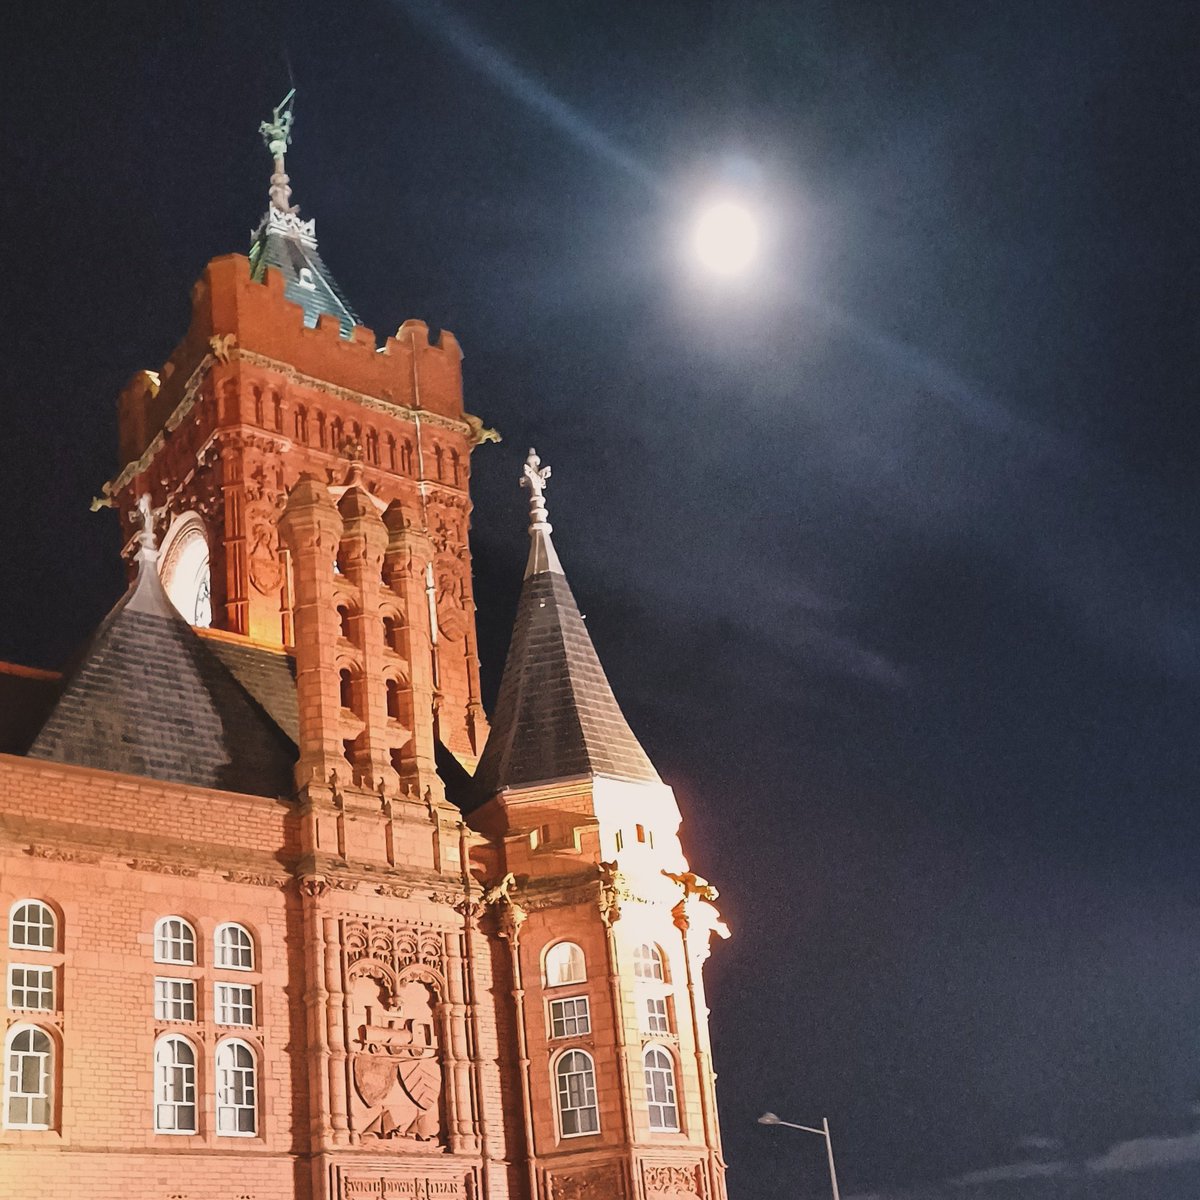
<point>277,135</point>
<point>535,477</point>
<point>147,545</point>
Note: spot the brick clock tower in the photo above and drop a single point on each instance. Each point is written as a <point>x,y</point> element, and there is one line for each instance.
<point>302,927</point>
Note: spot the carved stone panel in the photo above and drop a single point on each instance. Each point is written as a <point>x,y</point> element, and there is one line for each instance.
<point>394,985</point>
<point>679,1181</point>
<point>604,1181</point>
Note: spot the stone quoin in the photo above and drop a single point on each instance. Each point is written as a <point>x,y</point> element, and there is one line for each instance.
<point>285,919</point>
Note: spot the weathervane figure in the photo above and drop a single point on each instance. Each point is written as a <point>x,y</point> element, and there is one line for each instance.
<point>277,136</point>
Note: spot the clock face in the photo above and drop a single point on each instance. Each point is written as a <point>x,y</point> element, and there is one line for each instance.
<point>184,570</point>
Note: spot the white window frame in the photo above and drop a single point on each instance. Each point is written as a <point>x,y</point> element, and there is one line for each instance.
<point>652,965</point>
<point>225,949</point>
<point>164,1086</point>
<point>50,923</point>
<point>561,972</point>
<point>581,1018</point>
<point>563,1087</point>
<point>45,1072</point>
<point>655,1021</point>
<point>47,984</point>
<point>164,1001</point>
<point>224,1004</point>
<point>658,1074</point>
<point>226,1076</point>
<point>165,939</point>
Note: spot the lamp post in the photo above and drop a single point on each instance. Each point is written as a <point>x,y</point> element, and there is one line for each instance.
<point>771,1119</point>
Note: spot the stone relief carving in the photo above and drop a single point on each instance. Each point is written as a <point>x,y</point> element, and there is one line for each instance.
<point>674,1180</point>
<point>394,975</point>
<point>605,1181</point>
<point>394,1054</point>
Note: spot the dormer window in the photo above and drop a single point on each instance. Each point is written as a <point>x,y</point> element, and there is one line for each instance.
<point>306,279</point>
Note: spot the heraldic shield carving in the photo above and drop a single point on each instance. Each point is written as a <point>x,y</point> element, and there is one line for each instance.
<point>394,1060</point>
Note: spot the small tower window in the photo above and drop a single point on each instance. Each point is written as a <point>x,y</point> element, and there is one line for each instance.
<point>565,964</point>
<point>346,685</point>
<point>31,926</point>
<point>455,466</point>
<point>343,613</point>
<point>29,1074</point>
<point>174,941</point>
<point>373,447</point>
<point>322,434</point>
<point>393,699</point>
<point>306,279</point>
<point>235,948</point>
<point>660,1089</point>
<point>575,1075</point>
<point>237,1087</point>
<point>392,628</point>
<point>391,451</point>
<point>648,962</point>
<point>174,1086</point>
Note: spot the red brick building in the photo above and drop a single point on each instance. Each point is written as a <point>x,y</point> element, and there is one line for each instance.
<point>283,918</point>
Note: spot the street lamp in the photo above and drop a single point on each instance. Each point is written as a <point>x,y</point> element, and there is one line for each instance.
<point>771,1119</point>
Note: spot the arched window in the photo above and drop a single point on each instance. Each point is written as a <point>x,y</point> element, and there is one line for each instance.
<point>277,403</point>
<point>406,457</point>
<point>391,633</point>
<point>28,1078</point>
<point>439,460</point>
<point>564,964</point>
<point>31,926</point>
<point>235,948</point>
<point>343,612</point>
<point>391,450</point>
<point>237,1090</point>
<point>174,1086</point>
<point>393,699</point>
<point>258,407</point>
<point>346,686</point>
<point>322,436</point>
<point>373,447</point>
<point>335,433</point>
<point>174,942</point>
<point>301,420</point>
<point>454,465</point>
<point>575,1077</point>
<point>648,962</point>
<point>660,1089</point>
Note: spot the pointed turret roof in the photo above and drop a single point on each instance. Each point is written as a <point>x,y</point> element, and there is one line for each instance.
<point>556,716</point>
<point>148,697</point>
<point>289,244</point>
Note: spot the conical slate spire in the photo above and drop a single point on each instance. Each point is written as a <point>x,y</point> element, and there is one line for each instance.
<point>287,243</point>
<point>148,697</point>
<point>556,716</point>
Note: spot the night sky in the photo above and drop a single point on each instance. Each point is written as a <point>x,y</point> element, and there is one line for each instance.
<point>888,547</point>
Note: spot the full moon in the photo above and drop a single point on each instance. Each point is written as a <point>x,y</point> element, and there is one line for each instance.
<point>725,238</point>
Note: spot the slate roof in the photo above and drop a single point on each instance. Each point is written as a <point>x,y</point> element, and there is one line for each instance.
<point>556,716</point>
<point>285,242</point>
<point>150,697</point>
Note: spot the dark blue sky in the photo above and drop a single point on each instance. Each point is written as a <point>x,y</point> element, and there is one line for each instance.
<point>889,550</point>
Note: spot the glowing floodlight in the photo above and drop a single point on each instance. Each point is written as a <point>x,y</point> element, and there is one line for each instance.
<point>726,238</point>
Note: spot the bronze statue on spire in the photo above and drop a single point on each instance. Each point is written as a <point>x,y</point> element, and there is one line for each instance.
<point>277,136</point>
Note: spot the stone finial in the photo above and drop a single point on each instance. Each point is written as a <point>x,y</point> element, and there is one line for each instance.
<point>277,135</point>
<point>535,477</point>
<point>147,543</point>
<point>542,555</point>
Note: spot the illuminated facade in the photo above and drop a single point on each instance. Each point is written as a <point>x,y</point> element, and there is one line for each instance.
<point>283,918</point>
